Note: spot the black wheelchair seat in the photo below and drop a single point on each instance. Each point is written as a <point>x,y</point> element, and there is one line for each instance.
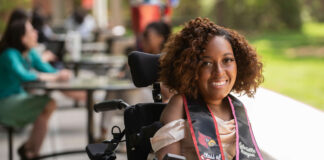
<point>141,120</point>
<point>141,123</point>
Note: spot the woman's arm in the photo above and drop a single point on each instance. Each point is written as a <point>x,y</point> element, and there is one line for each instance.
<point>62,75</point>
<point>39,64</point>
<point>13,62</point>
<point>173,111</point>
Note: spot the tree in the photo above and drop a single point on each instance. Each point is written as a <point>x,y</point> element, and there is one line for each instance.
<point>7,6</point>
<point>187,9</point>
<point>315,8</point>
<point>257,14</point>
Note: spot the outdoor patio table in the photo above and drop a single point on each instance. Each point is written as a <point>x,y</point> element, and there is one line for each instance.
<point>94,60</point>
<point>89,85</point>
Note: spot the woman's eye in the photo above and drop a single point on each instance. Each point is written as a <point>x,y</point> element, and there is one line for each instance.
<point>207,64</point>
<point>228,60</point>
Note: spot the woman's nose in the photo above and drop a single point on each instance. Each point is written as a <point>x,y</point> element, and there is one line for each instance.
<point>218,69</point>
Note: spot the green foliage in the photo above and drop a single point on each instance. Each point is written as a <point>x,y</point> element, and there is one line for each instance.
<point>289,12</point>
<point>243,14</point>
<point>6,6</point>
<point>299,76</point>
<point>187,9</point>
<point>257,14</point>
<point>315,8</point>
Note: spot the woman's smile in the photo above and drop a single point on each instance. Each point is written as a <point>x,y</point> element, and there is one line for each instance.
<point>218,70</point>
<point>218,84</point>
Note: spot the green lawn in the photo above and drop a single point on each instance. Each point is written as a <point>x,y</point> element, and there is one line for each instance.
<point>294,63</point>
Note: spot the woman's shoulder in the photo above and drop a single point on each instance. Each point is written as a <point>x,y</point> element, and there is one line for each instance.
<point>33,51</point>
<point>10,52</point>
<point>173,110</point>
<point>33,54</point>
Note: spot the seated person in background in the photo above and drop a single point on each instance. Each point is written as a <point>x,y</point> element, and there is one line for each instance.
<point>155,36</point>
<point>17,61</point>
<point>82,22</point>
<point>19,13</point>
<point>38,21</point>
<point>47,55</point>
<point>50,47</point>
<point>44,33</point>
<point>204,63</point>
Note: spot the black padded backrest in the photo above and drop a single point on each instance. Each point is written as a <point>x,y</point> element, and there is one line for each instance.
<point>139,119</point>
<point>144,68</point>
<point>57,47</point>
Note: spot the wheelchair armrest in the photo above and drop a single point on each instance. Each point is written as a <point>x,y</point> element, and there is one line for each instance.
<point>145,134</point>
<point>110,105</point>
<point>141,123</point>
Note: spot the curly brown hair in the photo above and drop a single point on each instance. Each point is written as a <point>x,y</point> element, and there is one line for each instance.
<point>180,64</point>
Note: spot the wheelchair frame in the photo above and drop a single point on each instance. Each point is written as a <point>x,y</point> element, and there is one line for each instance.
<point>139,126</point>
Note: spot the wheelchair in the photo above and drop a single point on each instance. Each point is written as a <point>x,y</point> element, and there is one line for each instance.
<point>141,120</point>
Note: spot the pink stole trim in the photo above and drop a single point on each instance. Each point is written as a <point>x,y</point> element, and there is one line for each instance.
<point>190,126</point>
<point>217,133</point>
<point>237,132</point>
<point>193,133</point>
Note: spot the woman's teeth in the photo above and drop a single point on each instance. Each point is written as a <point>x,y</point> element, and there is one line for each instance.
<point>218,83</point>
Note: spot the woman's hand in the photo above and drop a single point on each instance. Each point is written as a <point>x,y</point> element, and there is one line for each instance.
<point>48,56</point>
<point>64,75</point>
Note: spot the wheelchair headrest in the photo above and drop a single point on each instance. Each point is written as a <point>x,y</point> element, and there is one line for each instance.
<point>144,68</point>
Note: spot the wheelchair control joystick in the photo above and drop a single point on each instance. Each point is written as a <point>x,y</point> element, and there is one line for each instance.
<point>110,146</point>
<point>156,92</point>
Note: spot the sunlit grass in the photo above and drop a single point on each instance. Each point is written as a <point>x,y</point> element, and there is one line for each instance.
<point>299,77</point>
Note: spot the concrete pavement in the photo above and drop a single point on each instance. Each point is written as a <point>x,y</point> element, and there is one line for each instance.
<point>67,131</point>
<point>284,128</point>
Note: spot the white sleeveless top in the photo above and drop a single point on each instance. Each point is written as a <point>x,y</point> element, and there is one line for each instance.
<point>178,130</point>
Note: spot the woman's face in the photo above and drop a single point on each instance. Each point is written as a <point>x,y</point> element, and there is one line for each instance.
<point>217,73</point>
<point>29,39</point>
<point>153,41</point>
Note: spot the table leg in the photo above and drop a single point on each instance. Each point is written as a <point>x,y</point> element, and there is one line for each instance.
<point>90,116</point>
<point>76,70</point>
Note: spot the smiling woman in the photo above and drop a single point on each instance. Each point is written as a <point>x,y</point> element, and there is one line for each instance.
<point>203,64</point>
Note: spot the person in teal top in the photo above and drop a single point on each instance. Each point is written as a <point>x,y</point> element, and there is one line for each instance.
<point>11,61</point>
<point>18,62</point>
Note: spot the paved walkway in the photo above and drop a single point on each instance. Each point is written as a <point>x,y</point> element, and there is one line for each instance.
<point>284,129</point>
<point>67,131</point>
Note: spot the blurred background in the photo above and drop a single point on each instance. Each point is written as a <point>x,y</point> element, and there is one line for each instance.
<point>289,35</point>
<point>93,37</point>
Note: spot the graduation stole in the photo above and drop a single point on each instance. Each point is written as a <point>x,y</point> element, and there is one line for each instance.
<point>205,135</point>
